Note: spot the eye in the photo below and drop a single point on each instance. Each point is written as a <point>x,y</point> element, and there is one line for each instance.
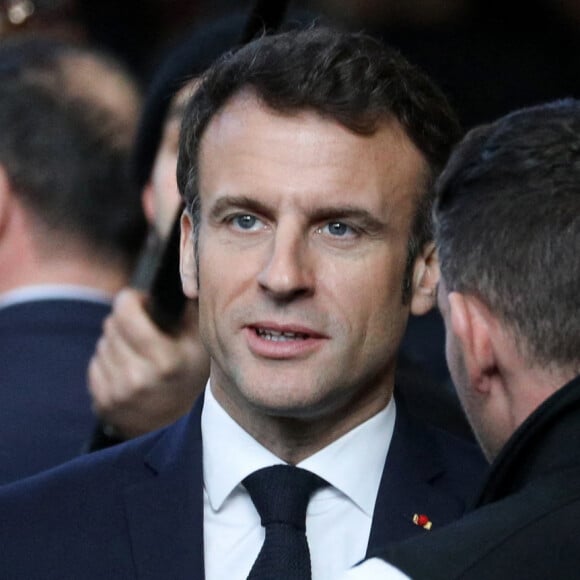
<point>337,230</point>
<point>246,222</point>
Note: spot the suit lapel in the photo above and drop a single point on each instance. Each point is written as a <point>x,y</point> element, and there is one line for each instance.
<point>165,511</point>
<point>407,486</point>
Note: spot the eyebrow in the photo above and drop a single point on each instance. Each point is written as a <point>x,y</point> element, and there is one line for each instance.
<point>362,216</point>
<point>240,201</point>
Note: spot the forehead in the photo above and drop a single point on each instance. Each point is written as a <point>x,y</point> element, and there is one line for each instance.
<point>248,148</point>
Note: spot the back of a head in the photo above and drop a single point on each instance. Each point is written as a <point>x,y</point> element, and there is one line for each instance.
<point>346,77</point>
<point>508,227</point>
<point>67,117</point>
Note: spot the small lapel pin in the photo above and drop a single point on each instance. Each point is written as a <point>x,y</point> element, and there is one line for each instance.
<point>423,521</point>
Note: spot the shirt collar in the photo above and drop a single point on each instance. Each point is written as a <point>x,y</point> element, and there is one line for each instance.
<point>352,464</point>
<point>38,292</point>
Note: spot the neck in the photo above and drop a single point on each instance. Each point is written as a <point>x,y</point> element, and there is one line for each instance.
<point>31,255</point>
<point>293,439</point>
<point>30,269</point>
<point>532,386</point>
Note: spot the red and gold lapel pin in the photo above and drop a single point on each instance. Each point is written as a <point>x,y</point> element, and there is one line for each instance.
<point>423,521</point>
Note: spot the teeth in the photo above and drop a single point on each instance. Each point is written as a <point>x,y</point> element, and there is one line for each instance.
<point>277,336</point>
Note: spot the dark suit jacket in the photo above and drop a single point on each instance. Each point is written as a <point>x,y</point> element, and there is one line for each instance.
<point>525,523</point>
<point>45,408</point>
<point>136,510</point>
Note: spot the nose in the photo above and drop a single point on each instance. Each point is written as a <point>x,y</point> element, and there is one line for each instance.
<point>287,273</point>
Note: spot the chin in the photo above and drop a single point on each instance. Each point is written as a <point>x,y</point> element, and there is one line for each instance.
<point>289,403</point>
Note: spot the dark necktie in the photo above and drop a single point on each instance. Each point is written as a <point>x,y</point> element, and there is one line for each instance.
<point>281,494</point>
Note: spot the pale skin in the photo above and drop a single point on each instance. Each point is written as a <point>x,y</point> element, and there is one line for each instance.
<point>30,253</point>
<point>140,378</point>
<point>304,230</point>
<point>498,385</point>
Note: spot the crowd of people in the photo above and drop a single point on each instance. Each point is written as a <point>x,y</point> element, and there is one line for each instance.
<point>372,361</point>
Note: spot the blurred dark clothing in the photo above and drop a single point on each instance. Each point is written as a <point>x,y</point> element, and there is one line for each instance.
<point>424,344</point>
<point>136,510</point>
<point>429,398</point>
<point>525,522</point>
<point>45,407</point>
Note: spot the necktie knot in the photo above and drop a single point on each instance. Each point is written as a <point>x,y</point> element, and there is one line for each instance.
<point>281,494</point>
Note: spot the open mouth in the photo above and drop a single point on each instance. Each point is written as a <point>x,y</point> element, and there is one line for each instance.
<point>273,341</point>
<point>278,336</point>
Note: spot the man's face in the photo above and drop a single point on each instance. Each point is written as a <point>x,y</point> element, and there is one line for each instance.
<point>303,238</point>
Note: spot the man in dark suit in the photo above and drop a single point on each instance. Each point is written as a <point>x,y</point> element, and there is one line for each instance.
<point>142,377</point>
<point>305,161</point>
<point>70,231</point>
<point>508,233</point>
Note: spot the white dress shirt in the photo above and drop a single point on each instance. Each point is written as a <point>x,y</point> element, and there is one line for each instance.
<point>338,519</point>
<point>374,569</point>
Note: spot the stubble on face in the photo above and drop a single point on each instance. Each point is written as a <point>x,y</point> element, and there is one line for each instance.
<point>485,427</point>
<point>303,241</point>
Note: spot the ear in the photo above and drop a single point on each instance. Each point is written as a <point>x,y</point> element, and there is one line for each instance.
<point>470,321</point>
<point>425,278</point>
<point>187,259</point>
<point>148,202</point>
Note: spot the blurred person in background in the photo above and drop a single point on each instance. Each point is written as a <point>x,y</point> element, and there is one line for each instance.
<point>71,226</point>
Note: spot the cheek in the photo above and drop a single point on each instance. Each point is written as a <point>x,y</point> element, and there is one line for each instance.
<point>452,356</point>
<point>371,299</point>
<point>457,369</point>
<point>224,274</point>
